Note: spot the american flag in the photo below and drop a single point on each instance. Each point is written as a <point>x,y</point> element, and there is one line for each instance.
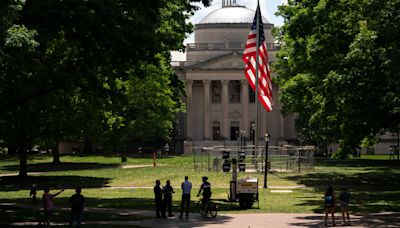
<point>249,58</point>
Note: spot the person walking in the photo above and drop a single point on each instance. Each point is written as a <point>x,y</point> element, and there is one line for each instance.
<point>48,205</point>
<point>330,205</point>
<point>158,200</point>
<point>344,198</point>
<point>168,191</point>
<point>77,202</point>
<point>186,188</point>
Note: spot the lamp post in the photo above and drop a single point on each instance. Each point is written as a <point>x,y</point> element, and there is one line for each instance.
<point>253,131</point>
<point>266,137</point>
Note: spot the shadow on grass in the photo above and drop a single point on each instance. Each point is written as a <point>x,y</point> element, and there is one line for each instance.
<point>358,163</point>
<point>64,166</point>
<point>371,220</point>
<point>14,183</point>
<point>375,189</point>
<point>11,214</point>
<point>98,209</point>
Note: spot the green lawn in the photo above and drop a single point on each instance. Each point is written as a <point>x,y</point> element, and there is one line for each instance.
<point>374,184</point>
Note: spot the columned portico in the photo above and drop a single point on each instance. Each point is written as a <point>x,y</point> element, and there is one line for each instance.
<point>244,99</point>
<point>225,109</point>
<point>218,95</point>
<point>207,109</point>
<point>189,85</point>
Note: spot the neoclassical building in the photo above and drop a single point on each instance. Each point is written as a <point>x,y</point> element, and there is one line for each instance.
<point>220,105</point>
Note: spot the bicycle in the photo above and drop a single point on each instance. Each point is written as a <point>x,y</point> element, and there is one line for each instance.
<point>211,208</point>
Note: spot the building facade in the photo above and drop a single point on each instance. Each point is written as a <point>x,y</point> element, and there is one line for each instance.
<point>220,105</point>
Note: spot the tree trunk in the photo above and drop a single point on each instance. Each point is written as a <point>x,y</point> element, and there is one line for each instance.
<point>56,154</point>
<point>23,147</point>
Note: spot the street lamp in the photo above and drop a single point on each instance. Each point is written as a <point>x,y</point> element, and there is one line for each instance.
<point>266,137</point>
<point>253,130</point>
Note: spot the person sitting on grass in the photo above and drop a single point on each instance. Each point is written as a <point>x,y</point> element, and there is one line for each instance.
<point>48,205</point>
<point>330,205</point>
<point>344,198</point>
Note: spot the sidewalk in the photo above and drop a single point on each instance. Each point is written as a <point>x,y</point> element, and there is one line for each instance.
<point>255,220</point>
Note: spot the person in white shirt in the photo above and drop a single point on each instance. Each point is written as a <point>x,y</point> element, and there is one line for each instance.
<point>186,188</point>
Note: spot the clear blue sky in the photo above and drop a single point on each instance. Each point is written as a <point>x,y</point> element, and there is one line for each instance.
<point>268,9</point>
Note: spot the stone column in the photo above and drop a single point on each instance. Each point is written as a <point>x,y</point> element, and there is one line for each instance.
<point>225,109</point>
<point>244,99</point>
<point>189,84</point>
<point>207,109</point>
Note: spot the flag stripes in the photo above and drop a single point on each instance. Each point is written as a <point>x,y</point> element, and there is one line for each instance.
<point>264,93</point>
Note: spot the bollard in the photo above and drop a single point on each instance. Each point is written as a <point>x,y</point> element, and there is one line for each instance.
<point>154,159</point>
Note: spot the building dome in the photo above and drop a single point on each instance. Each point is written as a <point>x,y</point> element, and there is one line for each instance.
<point>231,15</point>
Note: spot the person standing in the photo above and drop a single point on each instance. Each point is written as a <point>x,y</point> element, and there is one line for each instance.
<point>168,190</point>
<point>330,205</point>
<point>32,193</point>
<point>48,205</point>
<point>344,198</point>
<point>158,198</point>
<point>186,188</point>
<point>206,189</point>
<point>77,202</point>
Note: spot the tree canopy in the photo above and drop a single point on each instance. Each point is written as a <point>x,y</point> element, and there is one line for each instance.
<point>95,68</point>
<point>338,68</point>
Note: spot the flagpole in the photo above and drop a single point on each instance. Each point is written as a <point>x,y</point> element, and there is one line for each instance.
<point>256,133</point>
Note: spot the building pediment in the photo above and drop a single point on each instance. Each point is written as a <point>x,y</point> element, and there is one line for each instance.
<point>234,115</point>
<point>232,60</point>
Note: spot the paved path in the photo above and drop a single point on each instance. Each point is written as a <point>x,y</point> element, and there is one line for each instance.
<point>258,220</point>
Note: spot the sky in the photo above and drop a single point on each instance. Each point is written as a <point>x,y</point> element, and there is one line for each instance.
<point>268,9</point>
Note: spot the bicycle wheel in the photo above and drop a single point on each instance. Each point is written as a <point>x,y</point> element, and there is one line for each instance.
<point>213,210</point>
<point>200,208</point>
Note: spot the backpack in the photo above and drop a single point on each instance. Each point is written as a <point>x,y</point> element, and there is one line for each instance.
<point>328,200</point>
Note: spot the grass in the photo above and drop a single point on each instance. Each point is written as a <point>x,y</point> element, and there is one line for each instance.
<point>373,182</point>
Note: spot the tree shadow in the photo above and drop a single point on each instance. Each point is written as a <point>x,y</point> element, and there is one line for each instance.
<point>358,163</point>
<point>14,183</point>
<point>116,208</point>
<point>368,220</point>
<point>375,189</point>
<point>64,166</point>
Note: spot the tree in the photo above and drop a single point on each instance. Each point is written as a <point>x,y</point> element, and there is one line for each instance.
<point>71,69</point>
<point>337,68</point>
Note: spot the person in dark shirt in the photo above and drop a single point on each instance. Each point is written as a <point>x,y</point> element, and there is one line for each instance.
<point>77,202</point>
<point>158,198</point>
<point>33,192</point>
<point>168,190</point>
<point>206,189</point>
<point>344,198</point>
<point>330,205</point>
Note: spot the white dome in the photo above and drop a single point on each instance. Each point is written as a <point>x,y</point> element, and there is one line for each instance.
<point>231,15</point>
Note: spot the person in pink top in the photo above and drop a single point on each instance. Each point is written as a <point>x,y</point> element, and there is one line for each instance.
<point>48,205</point>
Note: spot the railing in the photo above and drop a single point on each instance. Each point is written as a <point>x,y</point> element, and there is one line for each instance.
<point>226,46</point>
<point>280,159</point>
